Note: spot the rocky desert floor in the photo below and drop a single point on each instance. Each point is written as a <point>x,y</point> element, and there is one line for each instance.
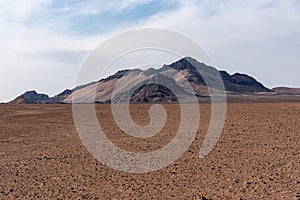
<point>256,157</point>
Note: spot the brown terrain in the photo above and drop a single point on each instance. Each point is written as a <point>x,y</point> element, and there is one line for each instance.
<point>256,157</point>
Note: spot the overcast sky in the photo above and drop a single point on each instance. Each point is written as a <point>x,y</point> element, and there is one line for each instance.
<point>43,42</point>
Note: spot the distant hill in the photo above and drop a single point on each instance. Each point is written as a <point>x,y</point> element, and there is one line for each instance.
<point>239,87</point>
<point>286,90</point>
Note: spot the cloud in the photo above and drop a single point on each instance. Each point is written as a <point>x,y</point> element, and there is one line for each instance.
<point>43,42</point>
<point>20,11</point>
<point>132,3</point>
<point>260,38</point>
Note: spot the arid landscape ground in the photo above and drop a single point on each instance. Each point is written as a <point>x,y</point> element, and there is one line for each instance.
<point>257,156</point>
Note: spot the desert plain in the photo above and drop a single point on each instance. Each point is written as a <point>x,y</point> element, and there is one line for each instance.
<point>256,157</point>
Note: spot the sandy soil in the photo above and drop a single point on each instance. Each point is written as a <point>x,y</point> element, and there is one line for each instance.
<point>257,156</point>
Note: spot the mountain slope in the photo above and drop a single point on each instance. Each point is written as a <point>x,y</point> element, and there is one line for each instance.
<point>20,100</point>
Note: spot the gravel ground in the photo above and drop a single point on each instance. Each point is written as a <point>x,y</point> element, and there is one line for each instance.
<point>256,157</point>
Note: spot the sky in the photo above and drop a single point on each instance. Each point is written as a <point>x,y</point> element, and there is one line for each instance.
<point>44,42</point>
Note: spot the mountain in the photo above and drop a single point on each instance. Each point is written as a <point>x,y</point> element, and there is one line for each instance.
<point>242,83</point>
<point>31,97</point>
<point>238,87</point>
